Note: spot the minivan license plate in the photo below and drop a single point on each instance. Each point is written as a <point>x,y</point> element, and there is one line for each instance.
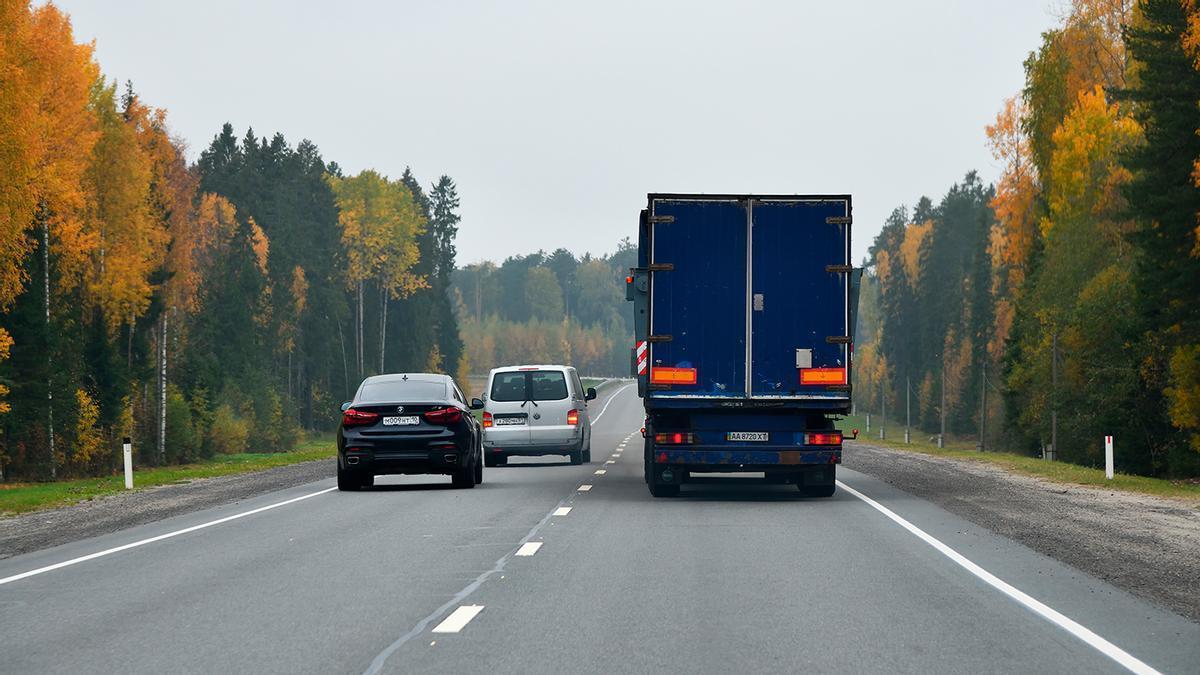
<point>746,436</point>
<point>400,421</point>
<point>509,421</point>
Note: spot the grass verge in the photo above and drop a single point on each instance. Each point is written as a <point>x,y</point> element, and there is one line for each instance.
<point>25,497</point>
<point>1059,472</point>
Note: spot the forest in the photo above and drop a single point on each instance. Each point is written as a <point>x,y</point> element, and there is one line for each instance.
<point>1059,305</point>
<point>203,308</point>
<point>548,308</point>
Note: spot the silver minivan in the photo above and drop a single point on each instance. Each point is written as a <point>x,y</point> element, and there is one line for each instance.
<point>536,410</point>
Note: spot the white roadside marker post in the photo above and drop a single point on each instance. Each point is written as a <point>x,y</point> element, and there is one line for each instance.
<point>128,453</point>
<point>1108,457</point>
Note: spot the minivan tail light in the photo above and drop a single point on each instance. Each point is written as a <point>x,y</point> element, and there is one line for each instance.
<point>358,418</point>
<point>573,417</point>
<point>443,416</point>
<point>487,420</point>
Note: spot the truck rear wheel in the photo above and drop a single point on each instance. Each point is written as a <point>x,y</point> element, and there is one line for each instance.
<point>664,489</point>
<point>818,490</point>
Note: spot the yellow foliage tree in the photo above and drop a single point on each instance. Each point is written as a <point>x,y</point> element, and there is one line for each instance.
<point>1088,178</point>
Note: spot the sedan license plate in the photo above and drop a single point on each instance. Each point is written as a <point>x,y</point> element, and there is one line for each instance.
<point>759,436</point>
<point>401,421</point>
<point>509,421</point>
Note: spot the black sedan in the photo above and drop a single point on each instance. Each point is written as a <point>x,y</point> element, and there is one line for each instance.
<point>408,423</point>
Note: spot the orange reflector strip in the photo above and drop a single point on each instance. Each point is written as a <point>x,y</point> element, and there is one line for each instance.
<point>822,376</point>
<point>673,376</point>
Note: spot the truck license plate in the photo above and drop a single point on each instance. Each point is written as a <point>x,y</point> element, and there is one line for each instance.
<point>747,436</point>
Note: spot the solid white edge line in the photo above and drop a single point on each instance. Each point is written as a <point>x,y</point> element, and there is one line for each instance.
<point>562,510</point>
<point>528,548</point>
<point>151,540</point>
<point>1053,616</point>
<point>609,402</point>
<point>458,619</point>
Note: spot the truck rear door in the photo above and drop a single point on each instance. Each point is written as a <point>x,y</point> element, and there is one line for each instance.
<point>698,263</point>
<point>799,283</point>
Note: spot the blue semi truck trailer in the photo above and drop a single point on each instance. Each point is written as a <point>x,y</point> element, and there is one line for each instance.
<point>744,312</point>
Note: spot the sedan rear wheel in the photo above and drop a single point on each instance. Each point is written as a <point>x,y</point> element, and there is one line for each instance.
<point>346,480</point>
<point>479,467</point>
<point>463,477</point>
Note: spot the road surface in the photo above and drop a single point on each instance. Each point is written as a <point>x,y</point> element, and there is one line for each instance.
<point>534,572</point>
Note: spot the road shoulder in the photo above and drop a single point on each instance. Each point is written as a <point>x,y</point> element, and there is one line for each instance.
<point>44,529</point>
<point>1142,544</point>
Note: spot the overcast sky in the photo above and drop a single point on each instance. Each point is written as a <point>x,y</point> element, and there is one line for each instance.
<point>556,118</point>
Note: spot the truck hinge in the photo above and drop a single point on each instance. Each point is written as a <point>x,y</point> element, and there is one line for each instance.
<point>838,339</point>
<point>838,220</point>
<point>661,219</point>
<point>839,269</point>
<point>658,338</point>
<point>661,267</point>
<point>838,387</point>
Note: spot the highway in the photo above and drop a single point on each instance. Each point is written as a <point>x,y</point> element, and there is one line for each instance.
<point>534,571</point>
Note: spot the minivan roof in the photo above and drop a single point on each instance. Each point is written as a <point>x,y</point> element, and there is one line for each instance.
<point>531,366</point>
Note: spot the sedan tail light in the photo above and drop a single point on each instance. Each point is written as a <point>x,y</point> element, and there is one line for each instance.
<point>443,416</point>
<point>573,417</point>
<point>358,418</point>
<point>487,420</point>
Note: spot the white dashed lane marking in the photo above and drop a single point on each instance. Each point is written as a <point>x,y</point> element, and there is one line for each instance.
<point>562,510</point>
<point>585,488</point>
<point>458,619</point>
<point>528,548</point>
<point>600,472</point>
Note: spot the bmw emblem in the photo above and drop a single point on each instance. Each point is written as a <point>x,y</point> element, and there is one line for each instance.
<point>399,408</point>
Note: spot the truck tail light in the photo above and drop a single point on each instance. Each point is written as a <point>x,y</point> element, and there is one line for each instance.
<point>573,417</point>
<point>443,416</point>
<point>823,438</point>
<point>822,376</point>
<point>673,376</point>
<point>358,418</point>
<point>675,438</point>
<point>487,420</point>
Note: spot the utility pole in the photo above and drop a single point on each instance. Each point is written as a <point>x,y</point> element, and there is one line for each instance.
<point>983,408</point>
<point>1053,396</point>
<point>942,433</point>
<point>907,409</point>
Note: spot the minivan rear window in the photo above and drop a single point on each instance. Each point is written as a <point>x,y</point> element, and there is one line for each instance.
<point>509,387</point>
<point>538,385</point>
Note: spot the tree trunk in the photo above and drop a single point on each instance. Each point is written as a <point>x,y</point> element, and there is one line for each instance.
<point>358,344</point>
<point>345,367</point>
<point>383,303</point>
<point>49,349</point>
<point>162,392</point>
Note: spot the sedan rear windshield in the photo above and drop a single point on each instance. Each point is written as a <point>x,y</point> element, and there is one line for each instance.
<point>537,385</point>
<point>399,391</point>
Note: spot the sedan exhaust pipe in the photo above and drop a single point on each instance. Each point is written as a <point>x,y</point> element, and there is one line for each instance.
<point>450,458</point>
<point>352,460</point>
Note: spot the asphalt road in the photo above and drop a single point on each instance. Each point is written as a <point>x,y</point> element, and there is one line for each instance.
<point>416,577</point>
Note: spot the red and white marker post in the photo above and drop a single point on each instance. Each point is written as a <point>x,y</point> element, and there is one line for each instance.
<point>1108,457</point>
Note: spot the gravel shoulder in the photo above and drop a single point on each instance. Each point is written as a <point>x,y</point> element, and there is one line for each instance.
<point>1145,545</point>
<point>44,529</point>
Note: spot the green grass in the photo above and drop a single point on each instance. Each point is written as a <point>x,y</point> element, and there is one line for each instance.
<point>1059,472</point>
<point>24,497</point>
